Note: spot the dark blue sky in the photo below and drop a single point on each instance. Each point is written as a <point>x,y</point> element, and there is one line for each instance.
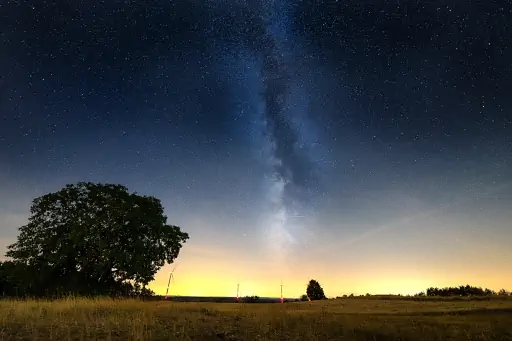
<point>279,132</point>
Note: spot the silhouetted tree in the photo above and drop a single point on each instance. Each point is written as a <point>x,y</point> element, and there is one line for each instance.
<point>94,239</point>
<point>503,292</point>
<point>489,292</point>
<point>314,291</point>
<point>304,298</point>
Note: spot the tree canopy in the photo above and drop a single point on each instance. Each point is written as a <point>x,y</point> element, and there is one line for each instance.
<point>315,291</point>
<point>95,238</point>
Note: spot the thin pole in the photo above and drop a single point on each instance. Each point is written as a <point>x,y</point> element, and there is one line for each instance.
<point>237,292</point>
<point>168,284</point>
<point>282,300</point>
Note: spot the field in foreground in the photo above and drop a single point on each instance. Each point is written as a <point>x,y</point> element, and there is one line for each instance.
<point>344,319</point>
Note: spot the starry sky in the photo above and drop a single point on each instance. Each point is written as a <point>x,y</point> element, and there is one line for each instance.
<point>367,145</point>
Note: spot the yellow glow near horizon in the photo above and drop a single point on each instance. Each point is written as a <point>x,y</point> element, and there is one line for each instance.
<point>196,284</point>
<point>373,273</point>
<point>382,266</point>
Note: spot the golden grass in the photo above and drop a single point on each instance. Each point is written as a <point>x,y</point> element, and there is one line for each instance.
<point>344,319</point>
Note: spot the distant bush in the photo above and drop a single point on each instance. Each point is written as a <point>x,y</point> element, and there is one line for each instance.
<point>251,299</point>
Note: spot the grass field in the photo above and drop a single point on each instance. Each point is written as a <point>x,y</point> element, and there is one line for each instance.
<point>343,319</point>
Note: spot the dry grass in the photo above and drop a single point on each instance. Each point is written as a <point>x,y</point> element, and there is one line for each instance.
<point>344,319</point>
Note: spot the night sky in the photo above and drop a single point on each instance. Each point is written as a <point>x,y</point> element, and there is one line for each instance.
<point>365,144</point>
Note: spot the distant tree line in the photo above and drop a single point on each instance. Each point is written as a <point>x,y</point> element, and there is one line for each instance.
<point>463,290</point>
<point>250,299</point>
<point>90,239</point>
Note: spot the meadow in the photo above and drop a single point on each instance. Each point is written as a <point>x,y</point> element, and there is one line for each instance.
<point>341,319</point>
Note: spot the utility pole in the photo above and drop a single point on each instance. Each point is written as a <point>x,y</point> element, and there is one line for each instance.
<point>282,299</point>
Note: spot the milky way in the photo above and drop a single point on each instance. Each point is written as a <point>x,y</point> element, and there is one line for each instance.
<point>291,169</point>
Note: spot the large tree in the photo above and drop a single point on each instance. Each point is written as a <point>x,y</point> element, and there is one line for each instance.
<point>91,237</point>
<point>315,291</point>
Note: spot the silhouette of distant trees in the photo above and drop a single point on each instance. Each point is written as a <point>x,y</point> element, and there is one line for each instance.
<point>250,299</point>
<point>449,292</point>
<point>503,292</point>
<point>90,239</point>
<point>462,290</point>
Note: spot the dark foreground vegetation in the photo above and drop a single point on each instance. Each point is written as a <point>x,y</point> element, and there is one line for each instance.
<point>342,319</point>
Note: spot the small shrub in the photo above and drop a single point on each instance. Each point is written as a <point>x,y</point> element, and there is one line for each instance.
<point>251,299</point>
